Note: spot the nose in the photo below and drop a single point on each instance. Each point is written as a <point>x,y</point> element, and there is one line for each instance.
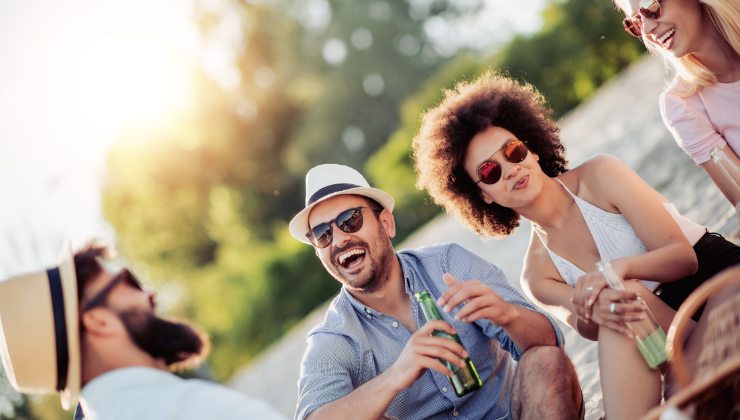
<point>339,237</point>
<point>511,170</point>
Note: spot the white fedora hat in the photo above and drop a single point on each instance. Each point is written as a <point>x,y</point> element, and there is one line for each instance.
<point>39,325</point>
<point>327,181</point>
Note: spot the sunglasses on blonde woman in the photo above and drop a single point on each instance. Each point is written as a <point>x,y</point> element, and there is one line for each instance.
<point>348,221</point>
<point>489,172</point>
<point>648,8</point>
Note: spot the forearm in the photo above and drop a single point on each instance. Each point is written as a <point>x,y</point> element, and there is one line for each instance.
<point>369,401</point>
<point>528,328</point>
<point>726,178</point>
<point>665,264</point>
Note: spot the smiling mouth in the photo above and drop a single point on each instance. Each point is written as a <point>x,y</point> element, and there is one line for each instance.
<point>351,258</point>
<point>666,40</point>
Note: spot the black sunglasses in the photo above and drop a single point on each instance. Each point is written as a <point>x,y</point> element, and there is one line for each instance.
<point>348,221</point>
<point>489,172</point>
<point>123,275</point>
<point>648,8</point>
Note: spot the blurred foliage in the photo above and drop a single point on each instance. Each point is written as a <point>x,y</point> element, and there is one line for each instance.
<point>580,46</point>
<point>202,199</point>
<point>392,167</point>
<point>12,404</point>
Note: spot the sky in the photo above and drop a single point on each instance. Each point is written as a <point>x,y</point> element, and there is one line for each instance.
<point>73,73</point>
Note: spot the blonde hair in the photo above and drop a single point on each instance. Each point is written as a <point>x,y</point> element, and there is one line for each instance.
<point>725,16</point>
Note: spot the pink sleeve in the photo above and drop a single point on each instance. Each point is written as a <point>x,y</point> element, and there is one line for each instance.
<point>689,124</point>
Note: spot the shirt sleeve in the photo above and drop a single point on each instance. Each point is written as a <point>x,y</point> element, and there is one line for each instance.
<point>690,125</point>
<point>325,372</point>
<point>466,265</point>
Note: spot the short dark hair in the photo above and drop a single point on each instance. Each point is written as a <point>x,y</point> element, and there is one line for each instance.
<point>447,129</point>
<point>87,263</point>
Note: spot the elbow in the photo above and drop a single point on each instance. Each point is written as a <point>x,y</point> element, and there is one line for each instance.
<point>690,263</point>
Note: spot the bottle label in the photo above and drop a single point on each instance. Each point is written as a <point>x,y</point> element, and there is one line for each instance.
<point>652,348</point>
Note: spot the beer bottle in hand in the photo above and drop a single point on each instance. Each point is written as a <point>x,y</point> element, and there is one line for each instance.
<point>463,380</point>
<point>648,333</point>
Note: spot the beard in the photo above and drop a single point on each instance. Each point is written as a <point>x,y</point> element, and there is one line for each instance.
<point>380,265</point>
<point>178,344</point>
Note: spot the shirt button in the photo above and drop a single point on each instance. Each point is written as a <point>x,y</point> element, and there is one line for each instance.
<point>444,389</point>
<point>395,324</point>
<point>455,413</point>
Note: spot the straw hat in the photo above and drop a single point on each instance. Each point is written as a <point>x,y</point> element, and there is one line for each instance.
<point>39,325</point>
<point>330,180</point>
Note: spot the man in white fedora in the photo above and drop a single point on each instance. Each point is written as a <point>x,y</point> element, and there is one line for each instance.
<point>373,356</point>
<point>91,333</point>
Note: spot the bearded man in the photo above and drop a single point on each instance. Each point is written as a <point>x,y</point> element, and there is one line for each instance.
<point>83,328</point>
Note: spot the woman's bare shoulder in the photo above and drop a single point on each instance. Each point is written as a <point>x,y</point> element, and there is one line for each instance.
<point>597,178</point>
<point>537,261</point>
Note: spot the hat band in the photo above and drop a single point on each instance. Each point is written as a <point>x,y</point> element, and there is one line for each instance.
<point>329,189</point>
<point>60,326</point>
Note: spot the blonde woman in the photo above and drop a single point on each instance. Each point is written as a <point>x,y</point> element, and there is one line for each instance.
<point>701,106</point>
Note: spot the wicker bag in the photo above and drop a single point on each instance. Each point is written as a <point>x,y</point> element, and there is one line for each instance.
<point>715,391</point>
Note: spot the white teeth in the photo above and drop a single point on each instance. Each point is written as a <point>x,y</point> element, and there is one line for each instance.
<point>666,35</point>
<point>352,252</point>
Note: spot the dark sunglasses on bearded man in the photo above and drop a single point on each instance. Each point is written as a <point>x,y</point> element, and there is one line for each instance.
<point>123,276</point>
<point>648,8</point>
<point>348,221</point>
<point>489,172</point>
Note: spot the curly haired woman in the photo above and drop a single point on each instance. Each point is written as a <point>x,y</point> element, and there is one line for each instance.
<point>490,153</point>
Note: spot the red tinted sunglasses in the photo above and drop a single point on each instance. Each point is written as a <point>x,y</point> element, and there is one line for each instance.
<point>489,172</point>
<point>650,9</point>
<point>348,221</point>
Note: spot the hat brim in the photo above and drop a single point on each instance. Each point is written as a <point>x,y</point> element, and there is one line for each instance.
<point>70,395</point>
<point>299,224</point>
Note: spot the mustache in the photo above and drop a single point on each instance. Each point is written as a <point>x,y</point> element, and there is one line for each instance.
<point>336,251</point>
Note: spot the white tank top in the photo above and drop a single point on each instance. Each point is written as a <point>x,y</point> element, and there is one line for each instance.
<point>615,238</point>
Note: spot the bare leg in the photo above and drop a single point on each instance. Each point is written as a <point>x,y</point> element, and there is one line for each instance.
<point>629,386</point>
<point>545,386</point>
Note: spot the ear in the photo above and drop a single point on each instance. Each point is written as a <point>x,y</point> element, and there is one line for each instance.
<point>536,156</point>
<point>101,322</point>
<point>485,196</point>
<point>389,223</point>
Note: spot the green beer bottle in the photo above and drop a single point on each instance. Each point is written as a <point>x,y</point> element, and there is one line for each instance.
<point>463,380</point>
<point>649,335</point>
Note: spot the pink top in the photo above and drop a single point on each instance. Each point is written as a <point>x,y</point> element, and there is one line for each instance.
<point>708,118</point>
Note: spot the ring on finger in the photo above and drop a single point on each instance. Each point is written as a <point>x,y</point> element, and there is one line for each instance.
<point>589,289</point>
<point>613,308</point>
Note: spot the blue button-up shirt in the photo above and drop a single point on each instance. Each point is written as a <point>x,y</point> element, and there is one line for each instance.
<point>355,343</point>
